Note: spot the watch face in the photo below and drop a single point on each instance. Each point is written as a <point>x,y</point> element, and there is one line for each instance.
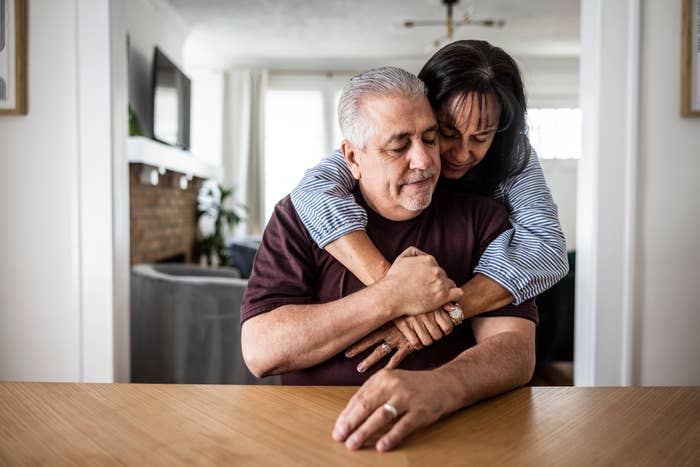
<point>456,312</point>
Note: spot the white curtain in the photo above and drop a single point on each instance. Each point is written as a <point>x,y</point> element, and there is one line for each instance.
<point>244,137</point>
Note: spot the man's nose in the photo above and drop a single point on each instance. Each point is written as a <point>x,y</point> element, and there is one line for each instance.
<point>420,157</point>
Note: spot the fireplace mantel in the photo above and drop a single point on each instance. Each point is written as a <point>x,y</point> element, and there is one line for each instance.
<point>146,151</point>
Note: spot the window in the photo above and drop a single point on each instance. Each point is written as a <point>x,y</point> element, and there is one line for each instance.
<point>301,127</point>
<point>555,133</point>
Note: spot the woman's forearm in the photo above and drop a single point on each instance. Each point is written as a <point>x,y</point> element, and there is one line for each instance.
<point>357,253</point>
<point>482,294</point>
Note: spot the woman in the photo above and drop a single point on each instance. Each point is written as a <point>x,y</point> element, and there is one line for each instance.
<point>478,96</point>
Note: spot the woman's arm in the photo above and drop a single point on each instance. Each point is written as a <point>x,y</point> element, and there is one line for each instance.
<point>531,257</point>
<point>325,204</point>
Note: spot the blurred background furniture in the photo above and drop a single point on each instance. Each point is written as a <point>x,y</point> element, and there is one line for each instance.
<point>185,325</point>
<point>241,251</point>
<point>555,334</point>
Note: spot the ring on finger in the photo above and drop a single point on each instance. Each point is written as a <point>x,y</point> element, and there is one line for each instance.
<point>386,348</point>
<point>391,410</point>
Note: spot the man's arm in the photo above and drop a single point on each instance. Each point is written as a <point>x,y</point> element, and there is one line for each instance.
<point>503,359</point>
<point>292,337</point>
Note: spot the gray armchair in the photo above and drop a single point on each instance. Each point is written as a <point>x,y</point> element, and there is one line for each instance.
<point>185,325</point>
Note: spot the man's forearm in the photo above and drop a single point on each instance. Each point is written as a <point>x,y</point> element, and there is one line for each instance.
<point>498,364</point>
<point>301,336</point>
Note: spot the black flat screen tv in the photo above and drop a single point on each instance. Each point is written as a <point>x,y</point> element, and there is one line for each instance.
<point>171,102</point>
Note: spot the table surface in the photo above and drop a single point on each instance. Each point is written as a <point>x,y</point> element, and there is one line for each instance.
<point>104,424</point>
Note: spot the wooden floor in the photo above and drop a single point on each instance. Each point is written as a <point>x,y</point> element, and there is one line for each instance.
<point>553,374</point>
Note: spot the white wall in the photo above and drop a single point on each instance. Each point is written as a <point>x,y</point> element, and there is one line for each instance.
<point>39,244</point>
<point>669,213</point>
<point>56,294</point>
<point>207,115</point>
<point>637,316</point>
<point>561,175</point>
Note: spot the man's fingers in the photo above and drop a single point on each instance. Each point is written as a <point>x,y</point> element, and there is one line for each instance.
<point>411,251</point>
<point>405,426</point>
<point>401,353</point>
<point>370,428</point>
<point>454,294</point>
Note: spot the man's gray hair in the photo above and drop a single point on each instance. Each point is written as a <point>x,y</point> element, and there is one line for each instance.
<point>378,82</point>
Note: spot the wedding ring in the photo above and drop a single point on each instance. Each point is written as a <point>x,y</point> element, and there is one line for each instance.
<point>386,348</point>
<point>390,409</point>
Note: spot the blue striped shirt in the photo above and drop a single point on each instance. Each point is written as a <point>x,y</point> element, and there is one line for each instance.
<point>527,259</point>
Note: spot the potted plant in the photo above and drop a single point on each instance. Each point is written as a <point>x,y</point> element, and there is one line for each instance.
<point>213,221</point>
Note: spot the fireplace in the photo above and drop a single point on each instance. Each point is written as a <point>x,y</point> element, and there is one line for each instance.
<point>162,218</point>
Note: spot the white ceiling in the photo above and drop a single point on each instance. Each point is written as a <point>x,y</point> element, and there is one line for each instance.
<point>225,32</point>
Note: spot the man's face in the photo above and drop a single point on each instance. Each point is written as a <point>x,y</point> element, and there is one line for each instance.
<point>400,165</point>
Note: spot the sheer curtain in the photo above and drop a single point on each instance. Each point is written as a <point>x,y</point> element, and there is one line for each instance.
<point>244,127</point>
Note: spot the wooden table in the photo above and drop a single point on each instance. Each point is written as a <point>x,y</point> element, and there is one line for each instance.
<point>98,424</point>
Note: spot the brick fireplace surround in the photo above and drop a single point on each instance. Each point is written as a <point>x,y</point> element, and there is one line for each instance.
<point>162,218</point>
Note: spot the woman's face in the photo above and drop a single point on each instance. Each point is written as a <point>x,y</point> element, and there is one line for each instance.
<point>466,133</point>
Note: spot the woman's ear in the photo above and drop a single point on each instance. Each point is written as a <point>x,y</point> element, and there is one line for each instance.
<point>350,154</point>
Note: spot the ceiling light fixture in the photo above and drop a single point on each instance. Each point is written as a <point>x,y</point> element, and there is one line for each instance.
<point>450,22</point>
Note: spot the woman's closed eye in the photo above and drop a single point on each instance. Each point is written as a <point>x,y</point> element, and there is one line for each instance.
<point>448,133</point>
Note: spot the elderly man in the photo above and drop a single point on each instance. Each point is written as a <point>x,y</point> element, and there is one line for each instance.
<point>302,308</point>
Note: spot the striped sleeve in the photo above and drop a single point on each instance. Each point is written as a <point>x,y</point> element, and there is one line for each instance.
<point>324,201</point>
<point>530,257</point>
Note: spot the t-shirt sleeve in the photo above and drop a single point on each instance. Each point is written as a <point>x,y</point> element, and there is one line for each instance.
<point>491,222</point>
<point>283,269</point>
<point>325,203</point>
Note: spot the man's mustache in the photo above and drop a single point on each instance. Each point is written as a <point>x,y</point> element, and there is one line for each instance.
<point>419,175</point>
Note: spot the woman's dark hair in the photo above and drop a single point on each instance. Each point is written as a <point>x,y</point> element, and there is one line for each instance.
<point>480,68</point>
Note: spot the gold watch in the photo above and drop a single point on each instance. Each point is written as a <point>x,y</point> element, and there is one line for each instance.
<point>456,313</point>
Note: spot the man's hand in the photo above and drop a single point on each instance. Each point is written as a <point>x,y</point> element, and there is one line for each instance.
<point>405,335</point>
<point>416,283</point>
<point>418,399</point>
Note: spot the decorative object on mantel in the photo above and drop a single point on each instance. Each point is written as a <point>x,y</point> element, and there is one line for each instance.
<point>13,57</point>
<point>135,128</point>
<point>690,59</point>
<point>212,218</point>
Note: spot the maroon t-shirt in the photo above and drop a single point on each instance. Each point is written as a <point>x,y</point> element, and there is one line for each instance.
<point>290,269</point>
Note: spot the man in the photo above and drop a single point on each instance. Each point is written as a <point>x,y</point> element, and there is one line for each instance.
<point>302,308</point>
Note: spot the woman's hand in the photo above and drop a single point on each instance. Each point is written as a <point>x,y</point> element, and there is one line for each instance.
<point>387,339</point>
<point>422,330</point>
<point>402,336</point>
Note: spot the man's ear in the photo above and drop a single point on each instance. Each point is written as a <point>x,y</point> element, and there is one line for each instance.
<point>350,154</point>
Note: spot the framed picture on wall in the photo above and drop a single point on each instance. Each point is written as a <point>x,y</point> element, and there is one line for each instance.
<point>690,69</point>
<point>13,57</point>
